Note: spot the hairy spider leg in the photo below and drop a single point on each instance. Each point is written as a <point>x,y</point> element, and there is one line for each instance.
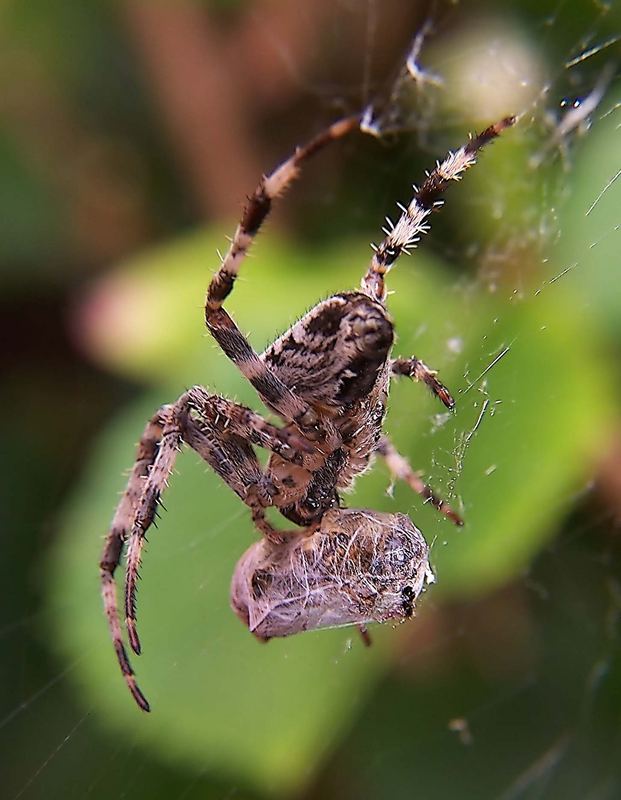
<point>220,431</point>
<point>272,390</point>
<point>406,232</point>
<point>419,371</point>
<point>251,427</point>
<point>399,467</point>
<point>232,418</point>
<point>220,418</point>
<point>146,510</point>
<point>122,523</point>
<point>235,461</point>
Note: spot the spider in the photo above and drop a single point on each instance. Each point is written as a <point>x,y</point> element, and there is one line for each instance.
<point>327,379</point>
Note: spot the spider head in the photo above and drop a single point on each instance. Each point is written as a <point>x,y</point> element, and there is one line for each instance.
<point>360,566</point>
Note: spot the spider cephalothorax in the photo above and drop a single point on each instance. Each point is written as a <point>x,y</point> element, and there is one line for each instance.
<point>327,379</point>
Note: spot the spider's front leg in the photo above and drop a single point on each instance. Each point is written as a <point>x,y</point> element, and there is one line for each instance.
<point>221,432</point>
<point>154,486</point>
<point>122,524</point>
<point>234,460</point>
<point>405,233</point>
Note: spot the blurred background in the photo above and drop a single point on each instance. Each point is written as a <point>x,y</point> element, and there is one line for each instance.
<point>130,133</point>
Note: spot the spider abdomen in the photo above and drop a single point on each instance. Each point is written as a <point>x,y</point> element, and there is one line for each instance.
<point>360,566</point>
<point>334,354</point>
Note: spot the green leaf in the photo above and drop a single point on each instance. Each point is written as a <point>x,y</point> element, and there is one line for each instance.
<point>220,699</point>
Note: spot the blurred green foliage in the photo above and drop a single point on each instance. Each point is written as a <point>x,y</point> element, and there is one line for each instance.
<point>508,683</point>
<point>590,244</point>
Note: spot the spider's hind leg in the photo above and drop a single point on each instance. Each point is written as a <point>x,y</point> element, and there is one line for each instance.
<point>400,468</point>
<point>419,371</point>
